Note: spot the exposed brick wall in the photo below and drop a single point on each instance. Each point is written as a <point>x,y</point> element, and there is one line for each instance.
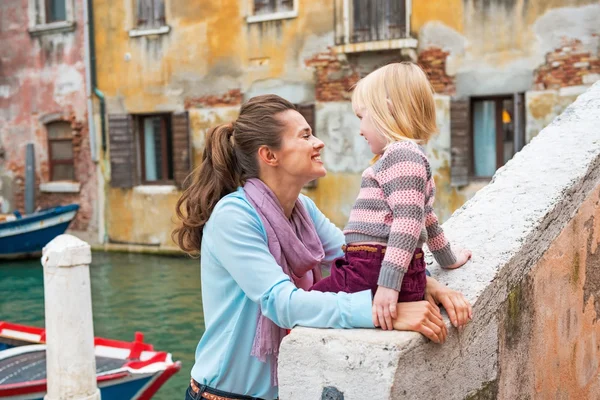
<point>567,66</point>
<point>231,98</point>
<point>84,174</point>
<point>32,74</point>
<point>433,62</point>
<point>334,78</point>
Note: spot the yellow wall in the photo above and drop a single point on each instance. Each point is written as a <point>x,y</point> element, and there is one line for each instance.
<point>211,49</point>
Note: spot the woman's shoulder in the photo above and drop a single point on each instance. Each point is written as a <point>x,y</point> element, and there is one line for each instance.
<point>232,210</point>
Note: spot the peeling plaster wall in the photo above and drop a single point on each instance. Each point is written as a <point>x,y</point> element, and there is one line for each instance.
<point>212,60</point>
<point>143,215</point>
<point>42,76</point>
<point>207,64</point>
<point>533,281</point>
<point>495,47</point>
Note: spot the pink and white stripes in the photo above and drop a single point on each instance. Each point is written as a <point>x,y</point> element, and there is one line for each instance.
<point>395,208</point>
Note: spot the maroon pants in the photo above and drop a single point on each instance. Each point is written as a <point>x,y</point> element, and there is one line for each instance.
<point>359,270</point>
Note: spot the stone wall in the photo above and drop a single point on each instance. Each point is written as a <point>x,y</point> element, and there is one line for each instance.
<point>533,280</point>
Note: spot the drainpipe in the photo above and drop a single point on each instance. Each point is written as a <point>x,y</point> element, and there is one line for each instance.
<point>88,86</point>
<point>93,90</point>
<point>90,43</point>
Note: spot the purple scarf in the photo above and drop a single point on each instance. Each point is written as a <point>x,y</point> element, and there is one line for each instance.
<point>296,247</point>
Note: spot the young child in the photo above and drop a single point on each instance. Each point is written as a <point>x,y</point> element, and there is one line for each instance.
<point>393,215</point>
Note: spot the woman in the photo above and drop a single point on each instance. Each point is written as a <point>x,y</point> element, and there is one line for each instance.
<point>261,244</point>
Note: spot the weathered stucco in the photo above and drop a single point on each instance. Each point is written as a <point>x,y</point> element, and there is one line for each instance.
<point>212,59</point>
<point>525,229</point>
<point>144,215</point>
<point>42,79</point>
<point>543,106</point>
<point>549,330</point>
<point>497,45</point>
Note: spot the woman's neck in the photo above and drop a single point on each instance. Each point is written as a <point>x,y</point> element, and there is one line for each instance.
<point>285,190</point>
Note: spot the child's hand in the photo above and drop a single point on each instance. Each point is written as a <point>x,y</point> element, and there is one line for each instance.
<point>462,257</point>
<point>384,307</point>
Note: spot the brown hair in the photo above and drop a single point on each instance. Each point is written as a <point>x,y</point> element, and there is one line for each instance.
<point>229,158</point>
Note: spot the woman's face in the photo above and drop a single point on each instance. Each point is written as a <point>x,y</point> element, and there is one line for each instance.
<point>368,130</point>
<point>300,153</point>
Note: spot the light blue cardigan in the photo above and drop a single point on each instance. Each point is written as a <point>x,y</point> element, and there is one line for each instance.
<point>238,273</point>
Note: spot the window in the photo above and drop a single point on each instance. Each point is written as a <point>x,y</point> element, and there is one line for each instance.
<point>60,151</point>
<point>359,21</point>
<point>493,134</point>
<point>272,6</point>
<point>149,149</point>
<point>56,10</point>
<point>150,14</point>
<point>485,133</point>
<point>269,10</point>
<point>156,148</point>
<point>50,16</point>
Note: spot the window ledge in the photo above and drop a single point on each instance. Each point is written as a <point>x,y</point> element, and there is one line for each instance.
<point>61,187</point>
<point>155,189</point>
<point>53,27</point>
<point>271,17</point>
<point>391,44</point>
<point>161,30</point>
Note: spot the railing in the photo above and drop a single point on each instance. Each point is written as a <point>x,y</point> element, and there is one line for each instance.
<point>372,20</point>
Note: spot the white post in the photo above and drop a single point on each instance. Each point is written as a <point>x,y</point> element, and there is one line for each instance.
<point>70,359</point>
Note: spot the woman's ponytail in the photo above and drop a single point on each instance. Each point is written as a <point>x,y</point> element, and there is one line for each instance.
<point>218,175</point>
<point>230,157</point>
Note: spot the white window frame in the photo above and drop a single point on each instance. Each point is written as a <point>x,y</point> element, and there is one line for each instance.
<point>272,16</point>
<point>348,47</point>
<point>136,31</point>
<point>36,11</point>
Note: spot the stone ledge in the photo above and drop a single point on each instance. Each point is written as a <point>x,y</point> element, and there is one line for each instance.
<point>60,187</point>
<point>508,225</point>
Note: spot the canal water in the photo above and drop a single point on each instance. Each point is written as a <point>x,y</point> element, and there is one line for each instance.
<point>158,296</point>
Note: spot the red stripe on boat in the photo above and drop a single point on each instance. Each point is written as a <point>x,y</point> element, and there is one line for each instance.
<point>153,388</point>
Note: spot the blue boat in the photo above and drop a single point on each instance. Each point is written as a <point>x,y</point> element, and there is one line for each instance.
<point>25,236</point>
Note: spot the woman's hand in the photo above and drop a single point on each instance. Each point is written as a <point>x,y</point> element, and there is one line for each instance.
<point>461,259</point>
<point>423,317</point>
<point>458,308</point>
<point>384,307</point>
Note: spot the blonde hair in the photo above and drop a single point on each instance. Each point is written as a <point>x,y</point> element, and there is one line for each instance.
<point>399,99</point>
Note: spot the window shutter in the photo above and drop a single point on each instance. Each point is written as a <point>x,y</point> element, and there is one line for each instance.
<point>460,142</point>
<point>144,13</point>
<point>308,112</point>
<point>181,147</point>
<point>519,124</point>
<point>122,150</point>
<point>264,6</point>
<point>159,13</point>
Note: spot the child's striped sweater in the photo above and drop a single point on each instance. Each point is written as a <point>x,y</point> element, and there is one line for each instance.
<point>395,208</point>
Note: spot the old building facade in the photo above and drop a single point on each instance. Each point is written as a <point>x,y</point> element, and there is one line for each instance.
<point>43,102</point>
<point>171,69</point>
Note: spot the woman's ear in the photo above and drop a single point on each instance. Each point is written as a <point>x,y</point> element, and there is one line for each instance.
<point>267,156</point>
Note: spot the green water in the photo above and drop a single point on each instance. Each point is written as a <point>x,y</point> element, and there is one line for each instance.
<point>158,296</point>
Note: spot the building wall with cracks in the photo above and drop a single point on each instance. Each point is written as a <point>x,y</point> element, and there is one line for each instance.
<point>533,281</point>
<point>42,81</point>
<point>211,59</point>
